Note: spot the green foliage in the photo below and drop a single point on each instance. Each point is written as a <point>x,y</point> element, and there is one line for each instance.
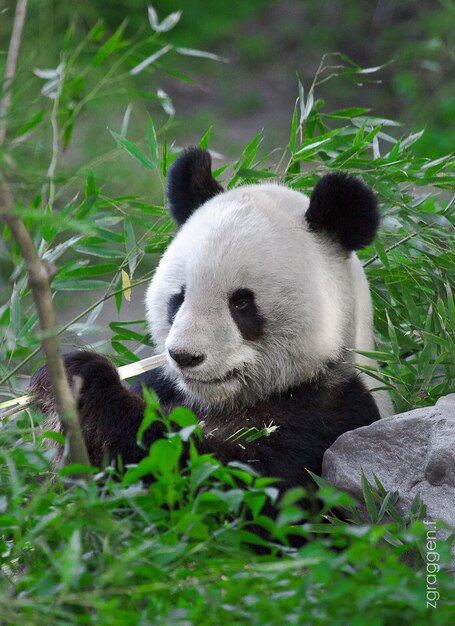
<point>114,550</point>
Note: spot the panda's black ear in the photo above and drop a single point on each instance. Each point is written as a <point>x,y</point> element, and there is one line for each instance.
<point>190,183</point>
<point>346,209</point>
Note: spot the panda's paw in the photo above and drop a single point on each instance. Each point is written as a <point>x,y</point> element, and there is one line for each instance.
<point>86,371</point>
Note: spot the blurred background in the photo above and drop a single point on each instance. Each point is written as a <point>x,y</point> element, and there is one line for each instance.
<point>267,46</point>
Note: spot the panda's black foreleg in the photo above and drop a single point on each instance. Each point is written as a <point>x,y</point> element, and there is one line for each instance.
<point>109,413</point>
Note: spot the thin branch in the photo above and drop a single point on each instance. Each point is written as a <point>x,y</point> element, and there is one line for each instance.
<point>39,277</point>
<point>11,63</point>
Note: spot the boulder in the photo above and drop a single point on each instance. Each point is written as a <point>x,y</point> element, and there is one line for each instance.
<point>410,453</point>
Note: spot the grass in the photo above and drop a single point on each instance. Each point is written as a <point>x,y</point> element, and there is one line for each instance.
<point>114,550</point>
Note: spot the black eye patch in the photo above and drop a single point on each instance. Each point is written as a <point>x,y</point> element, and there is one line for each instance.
<point>246,314</point>
<point>174,304</point>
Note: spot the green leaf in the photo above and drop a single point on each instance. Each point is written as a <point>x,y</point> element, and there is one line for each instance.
<point>104,234</point>
<point>133,150</point>
<point>130,245</point>
<point>308,106</point>
<point>34,121</point>
<point>97,31</point>
<point>311,147</point>
<point>152,142</point>
<point>183,417</point>
<point>48,228</point>
<point>384,506</point>
<point>247,157</point>
<point>150,417</point>
<point>113,44</point>
<point>347,113</point>
<point>165,454</point>
<point>200,474</point>
<point>255,174</point>
<point>164,155</point>
<point>293,133</point>
<point>124,334</point>
<point>99,269</point>
<point>90,186</point>
<point>77,468</point>
<point>205,140</point>
<point>62,283</point>
<point>99,250</point>
<point>382,254</point>
<point>249,152</point>
<point>15,310</point>
<point>369,498</point>
<point>301,101</point>
<point>123,351</point>
<point>54,436</point>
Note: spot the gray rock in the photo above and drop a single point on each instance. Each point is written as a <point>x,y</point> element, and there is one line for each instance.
<point>448,401</point>
<point>410,453</point>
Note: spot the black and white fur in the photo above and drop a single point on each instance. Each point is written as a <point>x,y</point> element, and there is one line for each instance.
<point>257,302</point>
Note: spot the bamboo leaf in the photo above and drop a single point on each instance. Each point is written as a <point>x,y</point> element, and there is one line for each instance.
<point>126,286</point>
<point>133,150</point>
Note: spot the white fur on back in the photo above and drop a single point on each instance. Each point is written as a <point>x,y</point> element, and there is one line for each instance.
<point>364,336</point>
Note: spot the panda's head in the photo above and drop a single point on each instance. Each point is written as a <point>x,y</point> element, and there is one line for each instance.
<point>254,294</point>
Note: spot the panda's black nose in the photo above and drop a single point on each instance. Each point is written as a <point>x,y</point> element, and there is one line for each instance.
<point>185,359</point>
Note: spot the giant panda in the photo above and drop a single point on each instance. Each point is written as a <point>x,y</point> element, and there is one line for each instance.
<point>258,303</point>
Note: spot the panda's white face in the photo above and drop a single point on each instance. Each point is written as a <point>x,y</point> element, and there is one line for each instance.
<point>247,301</point>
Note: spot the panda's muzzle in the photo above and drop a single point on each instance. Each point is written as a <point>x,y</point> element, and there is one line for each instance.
<point>186,359</point>
<point>212,381</point>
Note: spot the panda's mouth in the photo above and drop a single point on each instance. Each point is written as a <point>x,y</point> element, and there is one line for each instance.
<point>212,381</point>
